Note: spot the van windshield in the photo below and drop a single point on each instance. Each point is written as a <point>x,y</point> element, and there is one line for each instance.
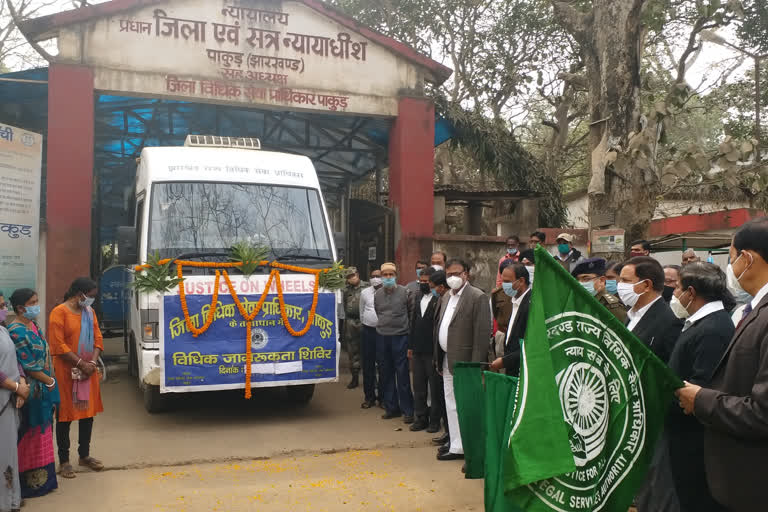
<point>210,217</point>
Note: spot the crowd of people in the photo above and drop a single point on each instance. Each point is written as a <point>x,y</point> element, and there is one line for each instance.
<point>707,324</point>
<point>46,379</point>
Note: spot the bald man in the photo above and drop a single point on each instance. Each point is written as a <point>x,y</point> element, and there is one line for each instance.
<point>689,256</point>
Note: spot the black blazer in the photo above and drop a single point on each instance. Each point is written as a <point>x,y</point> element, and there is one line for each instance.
<point>659,329</point>
<point>422,326</point>
<point>695,357</point>
<point>512,344</point>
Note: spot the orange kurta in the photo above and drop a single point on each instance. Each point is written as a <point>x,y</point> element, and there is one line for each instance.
<point>63,337</point>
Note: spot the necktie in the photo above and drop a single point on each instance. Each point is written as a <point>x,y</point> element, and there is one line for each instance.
<point>747,311</point>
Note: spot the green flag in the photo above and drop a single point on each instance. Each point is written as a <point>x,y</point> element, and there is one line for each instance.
<point>591,403</point>
<point>499,398</point>
<point>468,389</point>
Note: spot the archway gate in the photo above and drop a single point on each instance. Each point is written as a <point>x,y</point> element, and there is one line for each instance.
<point>296,73</point>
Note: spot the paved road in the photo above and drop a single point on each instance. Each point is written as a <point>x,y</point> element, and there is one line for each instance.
<point>220,452</point>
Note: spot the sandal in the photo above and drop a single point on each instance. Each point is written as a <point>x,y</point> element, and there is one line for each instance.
<point>91,463</point>
<point>67,471</point>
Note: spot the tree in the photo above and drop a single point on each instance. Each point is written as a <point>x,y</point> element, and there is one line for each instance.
<point>15,51</point>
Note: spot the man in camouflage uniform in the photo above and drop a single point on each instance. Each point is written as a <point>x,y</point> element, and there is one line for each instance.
<point>591,274</point>
<point>353,327</point>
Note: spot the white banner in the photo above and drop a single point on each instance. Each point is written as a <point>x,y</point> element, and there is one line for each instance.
<point>20,164</point>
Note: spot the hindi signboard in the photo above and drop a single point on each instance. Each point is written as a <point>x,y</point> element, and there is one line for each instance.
<point>20,162</point>
<point>216,359</point>
<point>607,240</point>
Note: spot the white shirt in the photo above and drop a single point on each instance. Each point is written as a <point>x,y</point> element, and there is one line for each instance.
<point>705,310</point>
<point>425,302</point>
<point>367,311</point>
<point>450,309</point>
<point>759,297</point>
<point>515,308</point>
<point>636,316</point>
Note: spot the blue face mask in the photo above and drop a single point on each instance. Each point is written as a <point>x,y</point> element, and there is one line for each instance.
<point>512,250</point>
<point>563,248</point>
<point>418,273</point>
<point>388,282</point>
<point>612,286</point>
<point>434,293</point>
<point>509,289</point>
<point>590,287</point>
<point>31,312</point>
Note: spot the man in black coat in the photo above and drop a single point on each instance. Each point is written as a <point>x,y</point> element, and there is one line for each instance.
<point>641,283</point>
<point>640,286</point>
<point>701,297</point>
<point>420,352</point>
<point>515,282</point>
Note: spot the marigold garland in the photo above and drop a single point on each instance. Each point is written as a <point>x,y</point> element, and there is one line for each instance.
<point>183,299</point>
<point>274,274</point>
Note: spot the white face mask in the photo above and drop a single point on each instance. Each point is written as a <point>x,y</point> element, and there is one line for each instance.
<point>375,281</point>
<point>735,288</point>
<point>87,301</point>
<point>455,282</point>
<point>627,293</point>
<point>678,309</point>
<point>438,267</point>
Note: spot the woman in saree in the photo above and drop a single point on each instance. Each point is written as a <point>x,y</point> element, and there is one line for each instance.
<point>76,344</point>
<point>13,390</point>
<point>37,465</point>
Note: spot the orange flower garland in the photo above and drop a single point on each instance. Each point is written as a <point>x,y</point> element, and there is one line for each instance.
<point>211,312</point>
<point>274,274</point>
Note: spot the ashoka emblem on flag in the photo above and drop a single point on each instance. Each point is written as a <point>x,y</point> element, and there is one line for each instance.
<point>603,407</point>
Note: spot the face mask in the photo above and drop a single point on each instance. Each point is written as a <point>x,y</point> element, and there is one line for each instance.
<point>627,293</point>
<point>563,248</point>
<point>438,267</point>
<point>512,250</point>
<point>530,273</point>
<point>668,293</point>
<point>418,273</point>
<point>735,288</point>
<point>434,293</point>
<point>424,288</point>
<point>31,312</point>
<point>635,254</point>
<point>388,282</point>
<point>610,286</point>
<point>678,309</point>
<point>87,302</point>
<point>734,278</point>
<point>3,315</point>
<point>590,287</point>
<point>375,282</point>
<point>509,289</point>
<point>455,282</point>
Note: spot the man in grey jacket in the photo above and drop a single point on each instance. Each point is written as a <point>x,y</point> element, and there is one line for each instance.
<point>393,308</point>
<point>734,411</point>
<point>462,333</point>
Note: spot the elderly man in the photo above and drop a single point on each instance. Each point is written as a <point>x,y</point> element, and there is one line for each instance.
<point>392,303</point>
<point>689,256</point>
<point>463,330</point>
<point>734,408</point>
<point>353,328</point>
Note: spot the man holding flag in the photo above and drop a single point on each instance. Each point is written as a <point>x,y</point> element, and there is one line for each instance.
<point>590,406</point>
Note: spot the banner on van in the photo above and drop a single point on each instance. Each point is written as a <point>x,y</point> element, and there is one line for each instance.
<point>216,359</point>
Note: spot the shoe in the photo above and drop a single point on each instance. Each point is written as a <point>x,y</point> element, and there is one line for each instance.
<point>408,419</point>
<point>418,426</point>
<point>443,449</point>
<point>433,428</point>
<point>391,414</point>
<point>441,439</point>
<point>464,468</point>
<point>450,456</point>
<point>354,382</point>
<point>368,404</point>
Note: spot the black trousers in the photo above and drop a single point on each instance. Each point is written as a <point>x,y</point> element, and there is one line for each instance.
<point>438,397</point>
<point>424,381</point>
<point>371,385</point>
<point>85,429</point>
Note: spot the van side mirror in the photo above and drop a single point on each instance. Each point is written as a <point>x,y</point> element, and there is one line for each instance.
<point>127,252</point>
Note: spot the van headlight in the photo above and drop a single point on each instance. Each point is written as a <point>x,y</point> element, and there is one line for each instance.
<point>150,323</point>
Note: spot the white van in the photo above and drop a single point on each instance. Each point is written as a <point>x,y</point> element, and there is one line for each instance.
<point>193,203</point>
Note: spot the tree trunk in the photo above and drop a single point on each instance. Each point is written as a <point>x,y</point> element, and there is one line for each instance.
<point>611,41</point>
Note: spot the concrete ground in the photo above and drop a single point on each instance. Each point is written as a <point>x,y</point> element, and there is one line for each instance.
<point>221,452</point>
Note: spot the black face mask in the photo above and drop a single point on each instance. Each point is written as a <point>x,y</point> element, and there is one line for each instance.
<point>424,288</point>
<point>667,293</point>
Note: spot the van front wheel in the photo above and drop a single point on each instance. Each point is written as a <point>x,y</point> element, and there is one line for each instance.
<point>154,402</point>
<point>300,394</point>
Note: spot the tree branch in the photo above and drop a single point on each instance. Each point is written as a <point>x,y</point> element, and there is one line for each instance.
<point>577,23</point>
